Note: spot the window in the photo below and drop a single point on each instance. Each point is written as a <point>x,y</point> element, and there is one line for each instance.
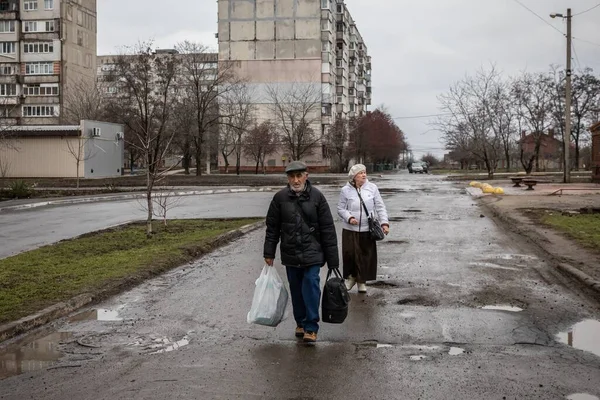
<point>49,4</point>
<point>7,26</point>
<point>41,90</point>
<point>7,48</point>
<point>40,111</point>
<point>352,107</point>
<point>7,89</point>
<point>8,70</point>
<point>111,89</point>
<point>325,4</point>
<point>49,25</point>
<point>340,8</point>
<point>44,47</point>
<point>351,92</point>
<point>39,68</point>
<point>30,5</point>
<point>30,26</point>
<point>326,46</point>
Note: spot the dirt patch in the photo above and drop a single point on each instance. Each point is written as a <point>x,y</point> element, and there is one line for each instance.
<point>397,219</point>
<point>491,296</point>
<point>388,242</point>
<point>384,284</point>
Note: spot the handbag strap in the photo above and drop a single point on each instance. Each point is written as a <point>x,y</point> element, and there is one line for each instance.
<point>363,203</point>
<point>305,218</point>
<point>335,271</point>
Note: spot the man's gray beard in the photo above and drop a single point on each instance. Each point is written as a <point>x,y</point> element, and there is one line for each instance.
<point>300,189</point>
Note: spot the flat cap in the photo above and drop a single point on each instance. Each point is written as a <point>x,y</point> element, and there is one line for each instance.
<point>295,166</point>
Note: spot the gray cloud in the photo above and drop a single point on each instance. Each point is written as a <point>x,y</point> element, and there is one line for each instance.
<point>419,47</point>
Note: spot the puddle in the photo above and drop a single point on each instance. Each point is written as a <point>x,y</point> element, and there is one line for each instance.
<point>582,396</point>
<point>455,351</point>
<point>96,315</point>
<point>168,346</point>
<point>394,242</point>
<point>418,358</point>
<point>33,356</point>
<point>379,346</point>
<point>413,211</point>
<point>503,308</point>
<point>383,284</point>
<point>397,219</point>
<point>583,336</point>
<point>492,265</point>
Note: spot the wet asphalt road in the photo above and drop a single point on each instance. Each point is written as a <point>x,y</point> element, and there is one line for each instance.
<point>420,332</point>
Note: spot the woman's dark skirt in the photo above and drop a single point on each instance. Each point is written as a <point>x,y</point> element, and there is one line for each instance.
<point>359,254</point>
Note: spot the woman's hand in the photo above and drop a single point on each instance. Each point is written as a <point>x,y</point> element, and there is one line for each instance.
<point>353,221</point>
<point>386,229</point>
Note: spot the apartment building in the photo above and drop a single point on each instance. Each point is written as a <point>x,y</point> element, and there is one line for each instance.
<point>47,49</point>
<point>277,45</point>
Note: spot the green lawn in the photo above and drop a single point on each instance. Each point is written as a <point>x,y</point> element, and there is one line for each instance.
<point>36,279</point>
<point>584,228</point>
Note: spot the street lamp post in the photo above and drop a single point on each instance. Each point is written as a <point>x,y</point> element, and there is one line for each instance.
<point>567,132</point>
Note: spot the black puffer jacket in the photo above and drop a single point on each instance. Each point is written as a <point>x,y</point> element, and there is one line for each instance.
<point>308,237</point>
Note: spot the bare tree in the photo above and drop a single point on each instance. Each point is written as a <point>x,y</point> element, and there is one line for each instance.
<point>466,124</point>
<point>237,114</point>
<point>206,84</point>
<point>80,151</point>
<point>164,201</point>
<point>261,142</point>
<point>84,100</point>
<point>533,98</point>
<point>586,97</point>
<point>336,138</point>
<point>148,90</point>
<point>184,122</point>
<point>296,114</point>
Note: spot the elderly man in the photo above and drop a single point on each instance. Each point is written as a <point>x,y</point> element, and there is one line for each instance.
<point>300,217</point>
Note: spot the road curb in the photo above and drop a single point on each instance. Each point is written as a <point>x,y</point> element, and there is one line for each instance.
<point>130,196</point>
<point>59,310</point>
<point>538,241</point>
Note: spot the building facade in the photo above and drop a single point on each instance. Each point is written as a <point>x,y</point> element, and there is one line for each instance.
<point>279,46</point>
<point>47,49</point>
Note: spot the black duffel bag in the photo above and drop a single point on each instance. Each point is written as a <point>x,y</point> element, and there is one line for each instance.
<point>334,303</point>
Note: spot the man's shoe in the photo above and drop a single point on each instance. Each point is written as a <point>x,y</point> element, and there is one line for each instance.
<point>299,332</point>
<point>350,282</point>
<point>310,337</point>
<point>362,288</point>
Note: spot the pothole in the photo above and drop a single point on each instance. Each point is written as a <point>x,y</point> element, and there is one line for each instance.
<point>391,190</point>
<point>383,284</point>
<point>33,356</point>
<point>412,211</point>
<point>100,314</point>
<point>456,351</point>
<point>583,336</point>
<point>397,219</point>
<point>394,242</point>
<point>503,308</point>
<point>417,301</point>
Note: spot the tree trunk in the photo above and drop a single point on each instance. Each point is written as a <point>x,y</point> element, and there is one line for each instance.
<point>256,172</point>
<point>577,154</point>
<point>131,161</point>
<point>149,203</point>
<point>198,163</point>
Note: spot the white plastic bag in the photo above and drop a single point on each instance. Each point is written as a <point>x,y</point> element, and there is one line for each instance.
<point>270,299</point>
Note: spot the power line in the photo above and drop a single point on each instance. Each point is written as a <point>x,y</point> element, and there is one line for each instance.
<point>537,15</point>
<point>576,56</point>
<point>588,10</point>
<point>420,116</point>
<point>587,41</point>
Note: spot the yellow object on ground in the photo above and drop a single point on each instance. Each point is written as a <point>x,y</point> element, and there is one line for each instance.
<point>487,189</point>
<point>499,190</point>
<point>475,184</point>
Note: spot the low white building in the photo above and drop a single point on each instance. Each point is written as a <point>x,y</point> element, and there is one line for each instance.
<point>57,151</point>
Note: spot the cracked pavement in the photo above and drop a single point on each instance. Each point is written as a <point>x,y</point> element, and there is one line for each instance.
<point>420,332</point>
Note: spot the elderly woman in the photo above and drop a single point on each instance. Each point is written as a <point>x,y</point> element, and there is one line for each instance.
<point>359,251</point>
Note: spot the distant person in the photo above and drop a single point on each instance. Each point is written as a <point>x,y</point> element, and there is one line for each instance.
<point>300,218</point>
<point>359,251</point>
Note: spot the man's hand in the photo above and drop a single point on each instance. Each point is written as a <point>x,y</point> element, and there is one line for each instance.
<point>353,221</point>
<point>269,261</point>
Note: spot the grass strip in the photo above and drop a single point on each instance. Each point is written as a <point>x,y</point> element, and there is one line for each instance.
<point>97,261</point>
<point>584,228</point>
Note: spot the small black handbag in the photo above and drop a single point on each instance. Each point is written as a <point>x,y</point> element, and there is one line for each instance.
<point>334,303</point>
<point>375,228</point>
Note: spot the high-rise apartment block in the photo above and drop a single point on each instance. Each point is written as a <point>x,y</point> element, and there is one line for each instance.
<point>47,48</point>
<point>276,44</point>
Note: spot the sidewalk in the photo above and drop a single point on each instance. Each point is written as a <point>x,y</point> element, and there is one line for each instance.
<point>568,256</point>
<point>131,194</point>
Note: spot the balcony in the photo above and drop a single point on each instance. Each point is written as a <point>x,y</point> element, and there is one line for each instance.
<point>41,100</point>
<point>10,100</point>
<point>9,79</point>
<point>39,79</point>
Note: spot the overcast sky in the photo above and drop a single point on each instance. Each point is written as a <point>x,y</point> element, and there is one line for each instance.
<point>419,47</point>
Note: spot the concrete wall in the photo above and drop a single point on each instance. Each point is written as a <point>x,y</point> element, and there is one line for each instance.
<point>105,153</point>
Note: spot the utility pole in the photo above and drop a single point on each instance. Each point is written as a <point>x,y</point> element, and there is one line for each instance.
<point>567,138</point>
<point>567,132</point>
